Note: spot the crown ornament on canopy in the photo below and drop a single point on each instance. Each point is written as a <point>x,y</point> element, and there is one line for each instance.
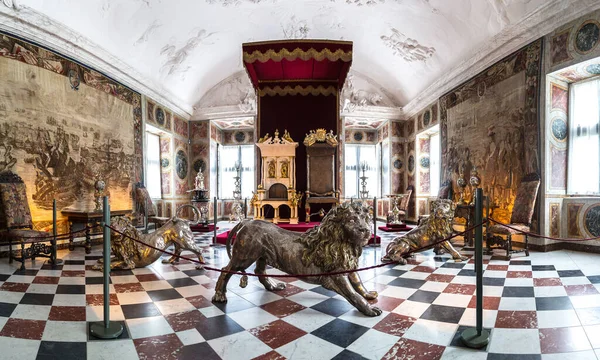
<point>320,135</point>
<point>275,139</point>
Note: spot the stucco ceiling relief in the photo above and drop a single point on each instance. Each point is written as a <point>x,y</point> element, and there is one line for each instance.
<point>407,48</point>
<point>176,57</point>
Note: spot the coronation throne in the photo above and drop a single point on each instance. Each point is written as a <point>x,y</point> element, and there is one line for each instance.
<point>321,171</point>
<point>278,177</point>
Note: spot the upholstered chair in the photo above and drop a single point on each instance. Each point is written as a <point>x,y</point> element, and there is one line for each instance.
<point>403,206</point>
<point>16,225</point>
<point>147,208</point>
<point>522,213</point>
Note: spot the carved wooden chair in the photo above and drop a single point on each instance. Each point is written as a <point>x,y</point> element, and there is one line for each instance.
<point>520,219</point>
<point>16,225</point>
<point>147,208</point>
<point>321,175</point>
<point>403,206</point>
<point>445,192</point>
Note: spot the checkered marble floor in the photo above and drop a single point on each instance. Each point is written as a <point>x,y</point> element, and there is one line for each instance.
<point>546,306</point>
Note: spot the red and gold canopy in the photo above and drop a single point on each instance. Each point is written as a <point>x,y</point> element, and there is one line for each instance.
<point>292,67</point>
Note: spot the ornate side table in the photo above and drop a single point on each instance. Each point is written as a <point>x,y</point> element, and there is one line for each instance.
<point>395,212</point>
<point>467,212</point>
<point>89,220</point>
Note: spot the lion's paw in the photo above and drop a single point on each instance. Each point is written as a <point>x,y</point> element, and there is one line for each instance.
<point>219,297</point>
<point>461,258</point>
<point>279,286</point>
<point>374,311</point>
<point>371,295</point>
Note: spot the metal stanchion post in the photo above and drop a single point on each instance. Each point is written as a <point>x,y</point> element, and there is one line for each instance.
<point>106,329</point>
<point>478,337</point>
<point>214,243</point>
<point>375,244</point>
<point>245,208</point>
<point>53,260</point>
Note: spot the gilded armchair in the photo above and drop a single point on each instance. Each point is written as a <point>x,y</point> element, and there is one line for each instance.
<point>321,176</point>
<point>520,220</point>
<point>16,224</point>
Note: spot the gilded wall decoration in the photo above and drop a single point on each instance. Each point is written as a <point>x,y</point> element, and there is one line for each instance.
<point>559,44</point>
<point>61,124</point>
<point>166,156</point>
<point>574,42</point>
<point>491,122</point>
<point>587,36</point>
<point>554,219</point>
<point>181,164</point>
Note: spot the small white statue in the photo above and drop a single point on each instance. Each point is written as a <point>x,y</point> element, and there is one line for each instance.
<point>199,181</point>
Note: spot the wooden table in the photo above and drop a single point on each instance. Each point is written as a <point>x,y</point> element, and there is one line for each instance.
<point>90,220</point>
<point>467,212</point>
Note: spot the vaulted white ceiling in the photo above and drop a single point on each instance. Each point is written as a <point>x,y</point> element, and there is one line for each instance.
<point>182,48</point>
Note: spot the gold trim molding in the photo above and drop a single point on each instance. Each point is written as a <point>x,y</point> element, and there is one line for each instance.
<point>298,90</point>
<point>297,53</point>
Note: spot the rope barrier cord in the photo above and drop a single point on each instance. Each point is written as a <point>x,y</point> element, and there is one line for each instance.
<point>292,275</point>
<point>542,236</point>
<point>64,236</point>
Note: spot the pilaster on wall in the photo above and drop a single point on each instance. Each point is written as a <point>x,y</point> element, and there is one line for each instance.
<point>200,153</point>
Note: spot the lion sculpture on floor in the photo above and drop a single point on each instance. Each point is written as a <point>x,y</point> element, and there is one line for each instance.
<point>129,254</point>
<point>436,227</point>
<point>335,245</point>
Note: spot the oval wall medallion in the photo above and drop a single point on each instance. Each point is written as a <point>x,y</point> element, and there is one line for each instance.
<point>592,220</point>
<point>411,163</point>
<point>587,37</point>
<point>426,118</point>
<point>398,164</point>
<point>74,79</point>
<point>181,164</point>
<point>358,136</point>
<point>593,69</point>
<point>199,165</point>
<point>559,129</point>
<point>424,162</point>
<point>159,115</point>
<point>164,162</point>
<point>240,136</point>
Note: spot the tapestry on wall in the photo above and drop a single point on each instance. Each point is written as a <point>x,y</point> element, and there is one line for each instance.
<point>491,123</point>
<point>63,126</point>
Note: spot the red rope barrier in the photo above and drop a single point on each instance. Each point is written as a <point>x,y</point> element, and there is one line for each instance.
<point>291,275</point>
<point>63,236</point>
<point>542,236</point>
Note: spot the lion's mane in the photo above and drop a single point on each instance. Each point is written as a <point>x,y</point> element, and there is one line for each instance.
<point>326,245</point>
<point>124,244</point>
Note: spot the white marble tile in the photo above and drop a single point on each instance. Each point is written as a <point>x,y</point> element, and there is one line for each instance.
<point>148,326</point>
<point>25,279</point>
<point>113,349</point>
<point>69,300</point>
<point>557,318</point>
<point>418,275</point>
<point>585,301</point>
<point>411,308</point>
<point>96,313</point>
<point>575,280</point>
<point>589,316</point>
<point>468,280</point>
<point>495,274</point>
<point>173,306</point>
<point>143,271</point>
<point>434,286</point>
<point>516,304</point>
<point>373,344</point>
<point>309,347</point>
<point>493,291</point>
<point>42,288</point>
<point>51,273</point>
<point>406,267</point>
<point>593,334</point>
<point>456,300</point>
<point>461,353</point>
<point>308,319</point>
<point>251,318</point>
<point>383,279</point>
<point>446,271</point>
<point>239,346</point>
<point>211,311</point>
<point>432,332</point>
<point>18,349</point>
<point>189,337</point>
<point>155,285</point>
<point>202,279</point>
<point>577,355</point>
<point>519,267</point>
<point>195,290</point>
<point>31,312</point>
<point>515,341</point>
<point>170,275</point>
<point>304,285</point>
<point>72,281</point>
<point>65,331</point>
<point>124,279</point>
<point>261,297</point>
<point>99,289</point>
<point>74,267</point>
<point>3,321</point>
<point>398,292</point>
<point>308,298</point>
<point>11,297</point>
<point>545,274</point>
<point>356,317</point>
<point>469,318</point>
<point>137,297</point>
<point>549,291</point>
<point>518,282</point>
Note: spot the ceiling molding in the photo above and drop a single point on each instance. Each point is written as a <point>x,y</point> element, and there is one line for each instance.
<point>552,15</point>
<point>375,113</point>
<point>34,26</point>
<point>221,112</point>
